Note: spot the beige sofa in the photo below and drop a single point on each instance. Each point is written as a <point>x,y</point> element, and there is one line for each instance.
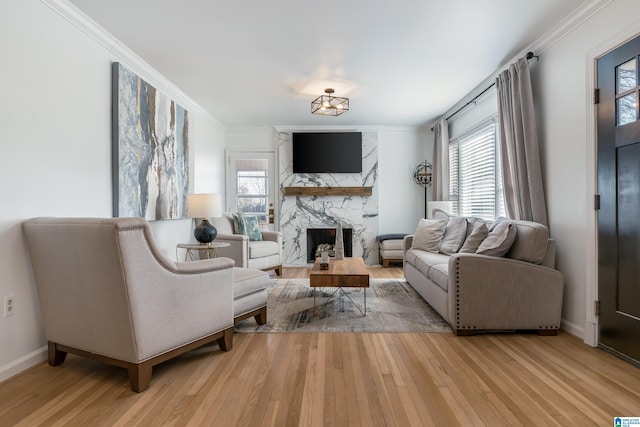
<point>265,254</point>
<point>472,292</point>
<point>106,292</point>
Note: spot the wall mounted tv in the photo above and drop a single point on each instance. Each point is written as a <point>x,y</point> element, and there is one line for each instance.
<point>337,152</point>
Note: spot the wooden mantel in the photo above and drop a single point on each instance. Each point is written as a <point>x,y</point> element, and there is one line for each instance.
<point>328,191</point>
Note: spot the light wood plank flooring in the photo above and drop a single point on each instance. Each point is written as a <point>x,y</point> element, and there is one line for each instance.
<point>399,379</point>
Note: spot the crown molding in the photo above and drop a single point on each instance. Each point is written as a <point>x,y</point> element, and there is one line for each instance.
<point>125,55</point>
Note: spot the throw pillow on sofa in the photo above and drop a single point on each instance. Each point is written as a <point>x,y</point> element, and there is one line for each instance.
<point>454,234</point>
<point>428,235</point>
<point>477,236</point>
<point>500,239</point>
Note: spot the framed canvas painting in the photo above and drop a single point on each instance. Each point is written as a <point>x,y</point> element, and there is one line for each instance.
<point>150,150</point>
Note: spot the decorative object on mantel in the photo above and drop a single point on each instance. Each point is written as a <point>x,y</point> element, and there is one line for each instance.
<point>329,105</point>
<point>339,243</point>
<point>205,206</point>
<point>146,125</point>
<point>422,176</point>
<point>328,191</point>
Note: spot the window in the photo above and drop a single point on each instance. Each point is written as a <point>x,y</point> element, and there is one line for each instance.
<point>475,179</point>
<point>252,184</point>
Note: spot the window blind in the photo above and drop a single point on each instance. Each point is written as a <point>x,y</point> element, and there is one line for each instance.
<point>474,175</point>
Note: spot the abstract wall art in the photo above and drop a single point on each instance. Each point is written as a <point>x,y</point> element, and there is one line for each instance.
<point>150,150</point>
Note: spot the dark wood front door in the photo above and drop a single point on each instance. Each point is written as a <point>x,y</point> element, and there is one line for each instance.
<point>619,189</point>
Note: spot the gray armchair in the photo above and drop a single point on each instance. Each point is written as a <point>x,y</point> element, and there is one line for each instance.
<point>107,293</point>
<point>265,254</point>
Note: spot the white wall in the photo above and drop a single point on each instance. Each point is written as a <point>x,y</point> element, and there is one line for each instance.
<point>56,152</point>
<point>401,201</point>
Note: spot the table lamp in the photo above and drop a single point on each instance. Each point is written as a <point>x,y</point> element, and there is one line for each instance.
<point>204,206</point>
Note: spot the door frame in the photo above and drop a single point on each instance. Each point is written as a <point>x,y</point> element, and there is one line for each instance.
<point>231,178</point>
<point>590,335</point>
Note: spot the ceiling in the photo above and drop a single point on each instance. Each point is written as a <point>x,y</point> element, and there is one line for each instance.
<point>261,63</point>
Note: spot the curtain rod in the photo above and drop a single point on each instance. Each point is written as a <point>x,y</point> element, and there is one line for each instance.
<point>529,56</point>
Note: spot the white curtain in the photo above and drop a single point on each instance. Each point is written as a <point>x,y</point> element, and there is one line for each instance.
<point>440,179</point>
<point>521,170</point>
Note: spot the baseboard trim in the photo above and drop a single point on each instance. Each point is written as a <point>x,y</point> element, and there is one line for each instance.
<point>25,362</point>
<point>572,328</point>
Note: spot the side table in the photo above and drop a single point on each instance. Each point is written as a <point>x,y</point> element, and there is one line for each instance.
<point>209,248</point>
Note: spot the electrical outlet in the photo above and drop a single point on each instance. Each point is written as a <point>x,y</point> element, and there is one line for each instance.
<point>9,305</point>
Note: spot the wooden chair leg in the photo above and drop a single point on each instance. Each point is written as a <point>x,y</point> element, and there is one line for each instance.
<point>385,263</point>
<point>278,270</point>
<point>140,376</point>
<point>261,317</point>
<point>548,332</point>
<point>226,342</point>
<point>55,356</point>
<point>465,332</point>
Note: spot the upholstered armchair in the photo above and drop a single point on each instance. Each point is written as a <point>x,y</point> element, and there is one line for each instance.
<point>265,254</point>
<point>107,293</point>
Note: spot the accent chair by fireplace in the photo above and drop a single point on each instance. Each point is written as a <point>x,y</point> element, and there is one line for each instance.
<point>265,254</point>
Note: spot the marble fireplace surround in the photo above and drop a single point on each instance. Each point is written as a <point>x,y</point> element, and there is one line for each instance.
<point>330,205</point>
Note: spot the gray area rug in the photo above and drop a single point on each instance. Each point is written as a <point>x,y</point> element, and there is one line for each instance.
<point>392,306</point>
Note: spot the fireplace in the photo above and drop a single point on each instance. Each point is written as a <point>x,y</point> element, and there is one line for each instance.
<point>324,239</point>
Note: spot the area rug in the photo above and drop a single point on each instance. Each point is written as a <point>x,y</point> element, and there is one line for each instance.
<point>392,306</point>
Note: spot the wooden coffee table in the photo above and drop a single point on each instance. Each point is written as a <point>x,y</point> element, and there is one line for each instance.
<point>346,273</point>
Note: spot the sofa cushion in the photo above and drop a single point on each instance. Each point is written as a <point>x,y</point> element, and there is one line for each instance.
<point>439,274</point>
<point>423,261</point>
<point>262,248</point>
<point>247,281</point>
<point>500,239</point>
<point>428,235</point>
<point>454,234</point>
<point>531,242</point>
<point>477,236</point>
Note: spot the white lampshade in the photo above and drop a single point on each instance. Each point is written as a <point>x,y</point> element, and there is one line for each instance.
<point>204,205</point>
<point>443,205</point>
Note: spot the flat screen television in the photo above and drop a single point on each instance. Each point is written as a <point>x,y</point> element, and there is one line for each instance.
<point>331,152</point>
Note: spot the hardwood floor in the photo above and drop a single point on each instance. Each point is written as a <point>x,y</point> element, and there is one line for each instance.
<point>403,379</point>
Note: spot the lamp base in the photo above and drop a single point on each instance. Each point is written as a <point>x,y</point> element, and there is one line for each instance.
<point>205,232</point>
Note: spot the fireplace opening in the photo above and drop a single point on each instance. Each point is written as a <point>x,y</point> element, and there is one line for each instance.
<point>319,239</point>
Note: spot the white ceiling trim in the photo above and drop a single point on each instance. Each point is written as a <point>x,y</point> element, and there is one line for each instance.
<point>132,61</point>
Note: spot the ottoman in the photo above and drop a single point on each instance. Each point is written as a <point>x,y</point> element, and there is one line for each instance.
<point>250,294</point>
<point>390,248</point>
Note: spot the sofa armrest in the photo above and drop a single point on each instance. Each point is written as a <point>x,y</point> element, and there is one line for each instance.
<point>204,265</point>
<point>407,242</point>
<point>273,236</point>
<point>231,237</point>
<point>487,293</point>
<point>169,310</point>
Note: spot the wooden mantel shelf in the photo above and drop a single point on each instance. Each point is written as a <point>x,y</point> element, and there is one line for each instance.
<point>328,191</point>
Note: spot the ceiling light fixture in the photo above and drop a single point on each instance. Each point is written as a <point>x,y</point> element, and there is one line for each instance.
<point>328,105</point>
